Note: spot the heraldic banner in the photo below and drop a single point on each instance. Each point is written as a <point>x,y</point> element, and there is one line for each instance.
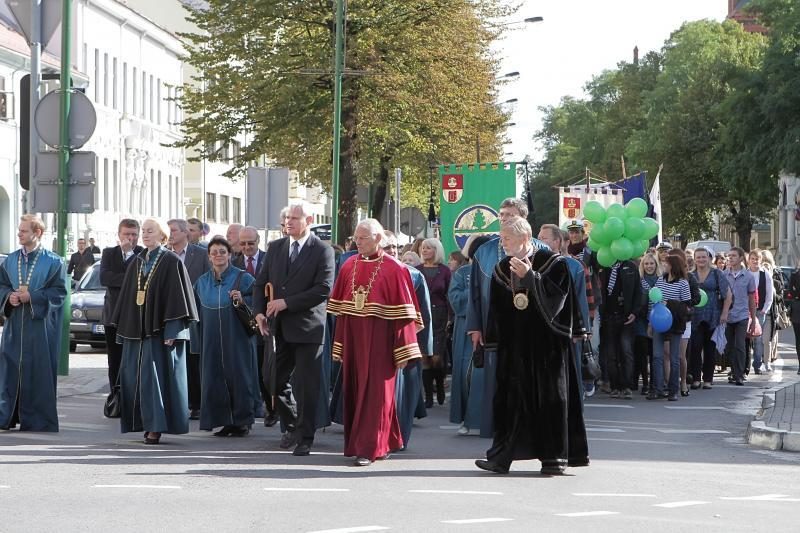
<point>471,198</point>
<point>572,200</point>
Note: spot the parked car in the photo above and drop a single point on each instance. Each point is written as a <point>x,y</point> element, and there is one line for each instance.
<point>86,326</point>
<point>323,231</point>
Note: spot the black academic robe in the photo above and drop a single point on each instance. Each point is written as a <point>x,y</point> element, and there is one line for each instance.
<point>537,403</point>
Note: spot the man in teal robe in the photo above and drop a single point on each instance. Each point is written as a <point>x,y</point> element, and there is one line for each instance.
<point>32,292</point>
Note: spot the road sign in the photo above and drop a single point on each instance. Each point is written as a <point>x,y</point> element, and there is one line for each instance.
<point>82,118</point>
<point>412,221</point>
<point>267,194</point>
<point>51,17</point>
<point>82,183</point>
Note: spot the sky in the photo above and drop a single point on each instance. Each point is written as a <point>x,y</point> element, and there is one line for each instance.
<point>577,40</point>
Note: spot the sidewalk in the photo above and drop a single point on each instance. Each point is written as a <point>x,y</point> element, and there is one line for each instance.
<point>777,427</point>
<point>88,374</point>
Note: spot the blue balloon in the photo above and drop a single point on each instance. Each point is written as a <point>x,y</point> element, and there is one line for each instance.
<point>660,318</point>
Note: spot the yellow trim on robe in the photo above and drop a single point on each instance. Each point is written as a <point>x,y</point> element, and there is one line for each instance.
<point>406,353</point>
<point>389,312</point>
<point>336,352</point>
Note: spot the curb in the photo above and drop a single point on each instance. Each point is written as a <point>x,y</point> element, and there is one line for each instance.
<point>763,436</point>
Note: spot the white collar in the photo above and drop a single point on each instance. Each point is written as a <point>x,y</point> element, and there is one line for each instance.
<point>301,241</point>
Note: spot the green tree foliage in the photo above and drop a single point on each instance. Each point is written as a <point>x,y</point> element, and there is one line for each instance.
<point>419,86</point>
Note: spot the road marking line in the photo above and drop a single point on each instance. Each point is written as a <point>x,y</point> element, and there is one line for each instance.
<point>428,491</point>
<point>612,405</point>
<point>5,487</point>
<point>631,441</point>
<point>606,430</point>
<point>763,498</point>
<point>135,486</point>
<point>358,529</point>
<point>449,427</point>
<point>696,408</point>
<point>299,489</point>
<point>587,513</point>
<point>674,505</point>
<point>477,521</point>
<point>695,431</point>
<point>613,495</point>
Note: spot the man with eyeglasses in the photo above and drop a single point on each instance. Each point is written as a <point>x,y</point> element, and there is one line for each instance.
<point>196,261</point>
<point>250,261</point>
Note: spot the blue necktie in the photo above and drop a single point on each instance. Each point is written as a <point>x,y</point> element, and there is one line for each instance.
<point>295,251</point>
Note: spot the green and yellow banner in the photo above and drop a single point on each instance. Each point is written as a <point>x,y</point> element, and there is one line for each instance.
<point>471,198</point>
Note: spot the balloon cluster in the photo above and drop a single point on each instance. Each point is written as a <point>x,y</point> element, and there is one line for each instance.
<point>620,232</point>
<point>660,316</point>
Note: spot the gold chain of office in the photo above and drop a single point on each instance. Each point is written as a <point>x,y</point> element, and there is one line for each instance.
<point>361,294</point>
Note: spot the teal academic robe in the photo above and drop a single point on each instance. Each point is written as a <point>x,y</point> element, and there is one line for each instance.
<point>31,341</point>
<point>228,361</point>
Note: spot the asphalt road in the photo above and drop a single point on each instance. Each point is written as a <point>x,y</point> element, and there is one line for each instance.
<point>656,466</point>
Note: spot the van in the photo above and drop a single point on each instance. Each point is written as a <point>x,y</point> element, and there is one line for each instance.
<point>717,246</point>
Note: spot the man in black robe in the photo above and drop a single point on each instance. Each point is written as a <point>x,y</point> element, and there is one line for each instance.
<point>533,317</point>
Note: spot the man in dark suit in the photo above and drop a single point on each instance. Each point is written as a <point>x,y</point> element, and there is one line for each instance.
<point>300,268</point>
<point>113,264</point>
<point>251,260</point>
<point>195,259</point>
<point>80,260</point>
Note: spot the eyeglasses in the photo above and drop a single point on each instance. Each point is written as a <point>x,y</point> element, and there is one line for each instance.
<point>218,252</point>
<point>248,243</point>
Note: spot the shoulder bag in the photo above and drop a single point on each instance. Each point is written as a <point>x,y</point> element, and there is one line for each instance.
<point>590,366</point>
<point>111,409</point>
<point>242,311</point>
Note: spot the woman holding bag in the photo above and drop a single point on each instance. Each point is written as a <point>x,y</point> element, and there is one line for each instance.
<point>674,285</point>
<point>229,387</point>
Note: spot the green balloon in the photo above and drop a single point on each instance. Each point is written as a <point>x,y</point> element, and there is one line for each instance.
<point>614,228</point>
<point>655,295</point>
<point>640,247</point>
<point>616,210</point>
<point>703,298</point>
<point>592,244</point>
<point>594,212</point>
<point>622,249</point>
<point>636,208</point>
<point>605,257</point>
<point>599,236</point>
<point>634,229</point>
<point>650,227</point>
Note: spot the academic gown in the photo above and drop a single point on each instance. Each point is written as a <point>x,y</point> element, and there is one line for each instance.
<point>484,259</point>
<point>153,387</point>
<point>228,360</point>
<point>466,389</point>
<point>371,342</point>
<point>537,404</point>
<point>31,341</point>
<point>408,385</point>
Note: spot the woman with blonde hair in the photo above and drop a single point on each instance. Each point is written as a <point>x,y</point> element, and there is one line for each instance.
<point>437,276</point>
<point>649,271</point>
<point>156,305</point>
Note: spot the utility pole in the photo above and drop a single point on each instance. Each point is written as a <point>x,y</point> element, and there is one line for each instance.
<point>338,68</point>
<point>63,170</point>
<point>36,82</point>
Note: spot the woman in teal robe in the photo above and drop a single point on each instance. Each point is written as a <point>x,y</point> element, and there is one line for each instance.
<point>152,316</point>
<point>229,365</point>
<point>31,339</point>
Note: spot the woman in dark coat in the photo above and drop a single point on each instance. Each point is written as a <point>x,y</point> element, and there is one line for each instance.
<point>794,290</point>
<point>437,277</point>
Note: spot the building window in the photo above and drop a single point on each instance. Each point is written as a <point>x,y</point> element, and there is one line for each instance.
<point>223,208</point>
<point>211,206</point>
<point>105,80</point>
<point>96,79</point>
<point>159,103</point>
<point>114,83</point>
<point>115,174</point>
<point>152,100</point>
<point>237,210</point>
<point>106,191</point>
<point>134,97</point>
<point>160,199</point>
<point>144,95</point>
<point>125,87</point>
<point>152,192</point>
<point>178,198</point>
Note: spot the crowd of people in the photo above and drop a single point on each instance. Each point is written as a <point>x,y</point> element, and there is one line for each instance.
<point>303,333</point>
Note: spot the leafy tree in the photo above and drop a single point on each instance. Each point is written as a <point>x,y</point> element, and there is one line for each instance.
<point>419,86</point>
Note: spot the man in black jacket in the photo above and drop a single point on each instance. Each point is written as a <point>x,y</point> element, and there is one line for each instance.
<point>113,264</point>
<point>621,301</point>
<point>80,260</point>
<point>300,269</point>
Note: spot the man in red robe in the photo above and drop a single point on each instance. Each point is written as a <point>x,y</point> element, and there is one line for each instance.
<point>376,333</point>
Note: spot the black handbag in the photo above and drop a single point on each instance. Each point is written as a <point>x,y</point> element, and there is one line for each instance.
<point>243,312</point>
<point>590,365</point>
<point>111,409</point>
<point>477,356</point>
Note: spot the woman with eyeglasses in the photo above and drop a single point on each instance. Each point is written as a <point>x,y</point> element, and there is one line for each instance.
<point>152,317</point>
<point>228,350</point>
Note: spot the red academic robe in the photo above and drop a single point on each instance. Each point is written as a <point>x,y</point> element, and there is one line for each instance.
<point>371,342</point>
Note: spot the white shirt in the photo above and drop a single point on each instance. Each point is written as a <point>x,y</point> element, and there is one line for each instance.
<point>182,254</point>
<point>301,241</point>
<point>255,259</point>
<point>125,255</point>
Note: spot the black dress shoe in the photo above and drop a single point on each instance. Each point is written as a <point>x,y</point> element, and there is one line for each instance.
<point>238,431</point>
<point>270,420</point>
<point>194,414</point>
<point>552,469</point>
<point>302,449</point>
<point>152,438</point>
<point>224,432</point>
<point>491,467</point>
<point>288,440</point>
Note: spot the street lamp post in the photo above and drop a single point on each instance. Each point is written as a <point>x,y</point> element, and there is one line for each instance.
<point>338,68</point>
